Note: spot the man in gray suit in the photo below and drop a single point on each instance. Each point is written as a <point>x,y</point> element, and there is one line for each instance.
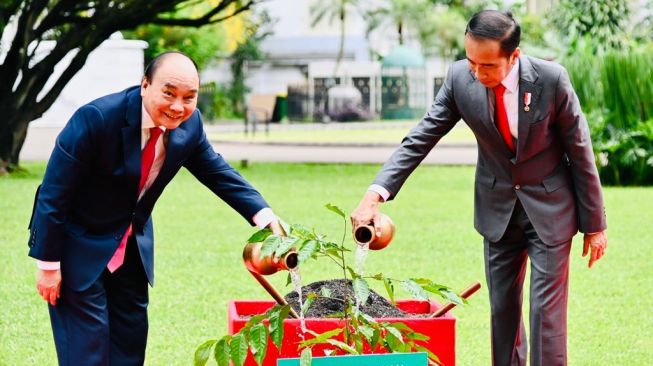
<point>536,181</point>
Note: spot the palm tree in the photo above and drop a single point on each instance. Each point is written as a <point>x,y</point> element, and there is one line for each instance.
<point>398,13</point>
<point>332,10</point>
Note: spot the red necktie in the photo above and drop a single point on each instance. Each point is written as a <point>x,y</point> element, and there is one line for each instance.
<point>147,159</point>
<point>501,117</point>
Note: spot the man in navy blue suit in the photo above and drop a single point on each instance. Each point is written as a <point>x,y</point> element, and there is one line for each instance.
<point>91,229</point>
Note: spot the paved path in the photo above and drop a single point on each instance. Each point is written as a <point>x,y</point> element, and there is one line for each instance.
<point>40,142</point>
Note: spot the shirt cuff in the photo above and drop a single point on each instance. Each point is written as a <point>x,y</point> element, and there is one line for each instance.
<point>48,266</point>
<point>264,217</point>
<point>384,193</point>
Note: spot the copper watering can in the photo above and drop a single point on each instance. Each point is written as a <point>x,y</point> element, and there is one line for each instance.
<point>268,265</point>
<point>260,267</point>
<point>377,234</point>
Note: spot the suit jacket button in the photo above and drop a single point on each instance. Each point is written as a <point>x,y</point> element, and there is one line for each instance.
<point>517,187</point>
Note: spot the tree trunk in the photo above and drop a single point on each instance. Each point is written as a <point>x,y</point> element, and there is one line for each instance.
<point>13,131</point>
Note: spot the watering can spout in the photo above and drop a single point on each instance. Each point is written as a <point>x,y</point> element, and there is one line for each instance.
<point>268,265</point>
<point>378,234</point>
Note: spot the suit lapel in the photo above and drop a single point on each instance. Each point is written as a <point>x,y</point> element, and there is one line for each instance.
<point>527,84</point>
<point>479,94</point>
<point>131,142</point>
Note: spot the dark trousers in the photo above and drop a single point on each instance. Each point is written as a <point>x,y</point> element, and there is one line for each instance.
<point>505,269</point>
<point>105,324</point>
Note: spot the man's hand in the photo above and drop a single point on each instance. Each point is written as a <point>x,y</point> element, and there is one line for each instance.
<point>367,210</point>
<point>276,228</point>
<point>48,283</point>
<point>595,243</point>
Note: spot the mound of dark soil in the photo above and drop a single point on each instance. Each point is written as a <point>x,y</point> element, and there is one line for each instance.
<point>375,306</point>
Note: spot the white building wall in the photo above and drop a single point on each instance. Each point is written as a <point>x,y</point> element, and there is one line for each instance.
<point>264,79</point>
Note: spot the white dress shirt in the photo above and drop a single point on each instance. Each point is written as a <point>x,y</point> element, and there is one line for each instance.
<point>262,218</point>
<point>510,100</point>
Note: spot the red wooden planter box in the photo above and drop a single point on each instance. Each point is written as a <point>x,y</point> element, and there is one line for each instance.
<point>442,330</point>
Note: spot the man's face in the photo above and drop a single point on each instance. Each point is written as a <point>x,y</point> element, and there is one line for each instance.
<point>487,62</point>
<point>171,96</point>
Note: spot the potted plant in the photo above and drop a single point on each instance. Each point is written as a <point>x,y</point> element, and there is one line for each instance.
<point>260,332</point>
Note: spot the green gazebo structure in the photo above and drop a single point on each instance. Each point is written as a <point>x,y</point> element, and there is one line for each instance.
<point>403,84</point>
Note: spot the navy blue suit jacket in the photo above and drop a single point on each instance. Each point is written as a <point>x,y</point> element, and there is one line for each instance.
<point>89,193</point>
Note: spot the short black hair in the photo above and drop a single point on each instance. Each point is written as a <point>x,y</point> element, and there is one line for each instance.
<point>498,26</point>
<point>151,68</point>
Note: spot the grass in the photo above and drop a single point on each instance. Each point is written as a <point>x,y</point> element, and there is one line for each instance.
<point>199,268</point>
<point>460,134</point>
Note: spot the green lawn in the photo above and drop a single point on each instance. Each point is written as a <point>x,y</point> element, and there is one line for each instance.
<point>199,266</point>
<point>460,134</point>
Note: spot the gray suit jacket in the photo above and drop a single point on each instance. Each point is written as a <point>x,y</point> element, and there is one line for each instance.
<point>553,173</point>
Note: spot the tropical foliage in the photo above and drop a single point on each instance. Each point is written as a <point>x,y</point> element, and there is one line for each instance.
<point>605,22</point>
<point>614,83</point>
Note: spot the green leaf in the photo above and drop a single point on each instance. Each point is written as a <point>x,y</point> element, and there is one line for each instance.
<point>438,289</point>
<point>259,236</point>
<point>343,346</point>
<point>395,332</point>
<point>399,326</point>
<point>321,338</point>
<point>302,232</point>
<point>203,352</point>
<point>258,342</point>
<point>453,297</point>
<point>376,338</point>
<point>325,292</point>
<point>238,349</point>
<point>270,245</point>
<point>286,244</point>
<point>256,319</point>
<point>223,351</point>
<point>306,358</point>
<point>424,281</point>
<point>258,337</point>
<point>361,290</point>
<point>276,325</point>
<point>394,343</point>
<point>415,336</point>
<point>378,276</point>
<point>352,273</point>
<point>307,250</point>
<point>288,279</point>
<point>430,354</point>
<point>367,332</point>
<point>336,209</point>
<point>368,319</point>
<point>358,342</point>
<point>390,288</point>
<point>333,252</point>
<point>310,297</point>
<point>414,289</point>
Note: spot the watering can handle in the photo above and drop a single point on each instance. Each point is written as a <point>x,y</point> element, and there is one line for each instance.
<point>273,292</point>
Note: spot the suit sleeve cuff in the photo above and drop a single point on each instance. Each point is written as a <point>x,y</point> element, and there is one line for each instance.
<point>48,266</point>
<point>384,193</point>
<point>264,217</point>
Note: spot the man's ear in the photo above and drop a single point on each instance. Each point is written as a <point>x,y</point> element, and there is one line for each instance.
<point>515,55</point>
<point>144,84</point>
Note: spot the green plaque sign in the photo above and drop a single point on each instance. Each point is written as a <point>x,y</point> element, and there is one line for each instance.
<point>388,359</point>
